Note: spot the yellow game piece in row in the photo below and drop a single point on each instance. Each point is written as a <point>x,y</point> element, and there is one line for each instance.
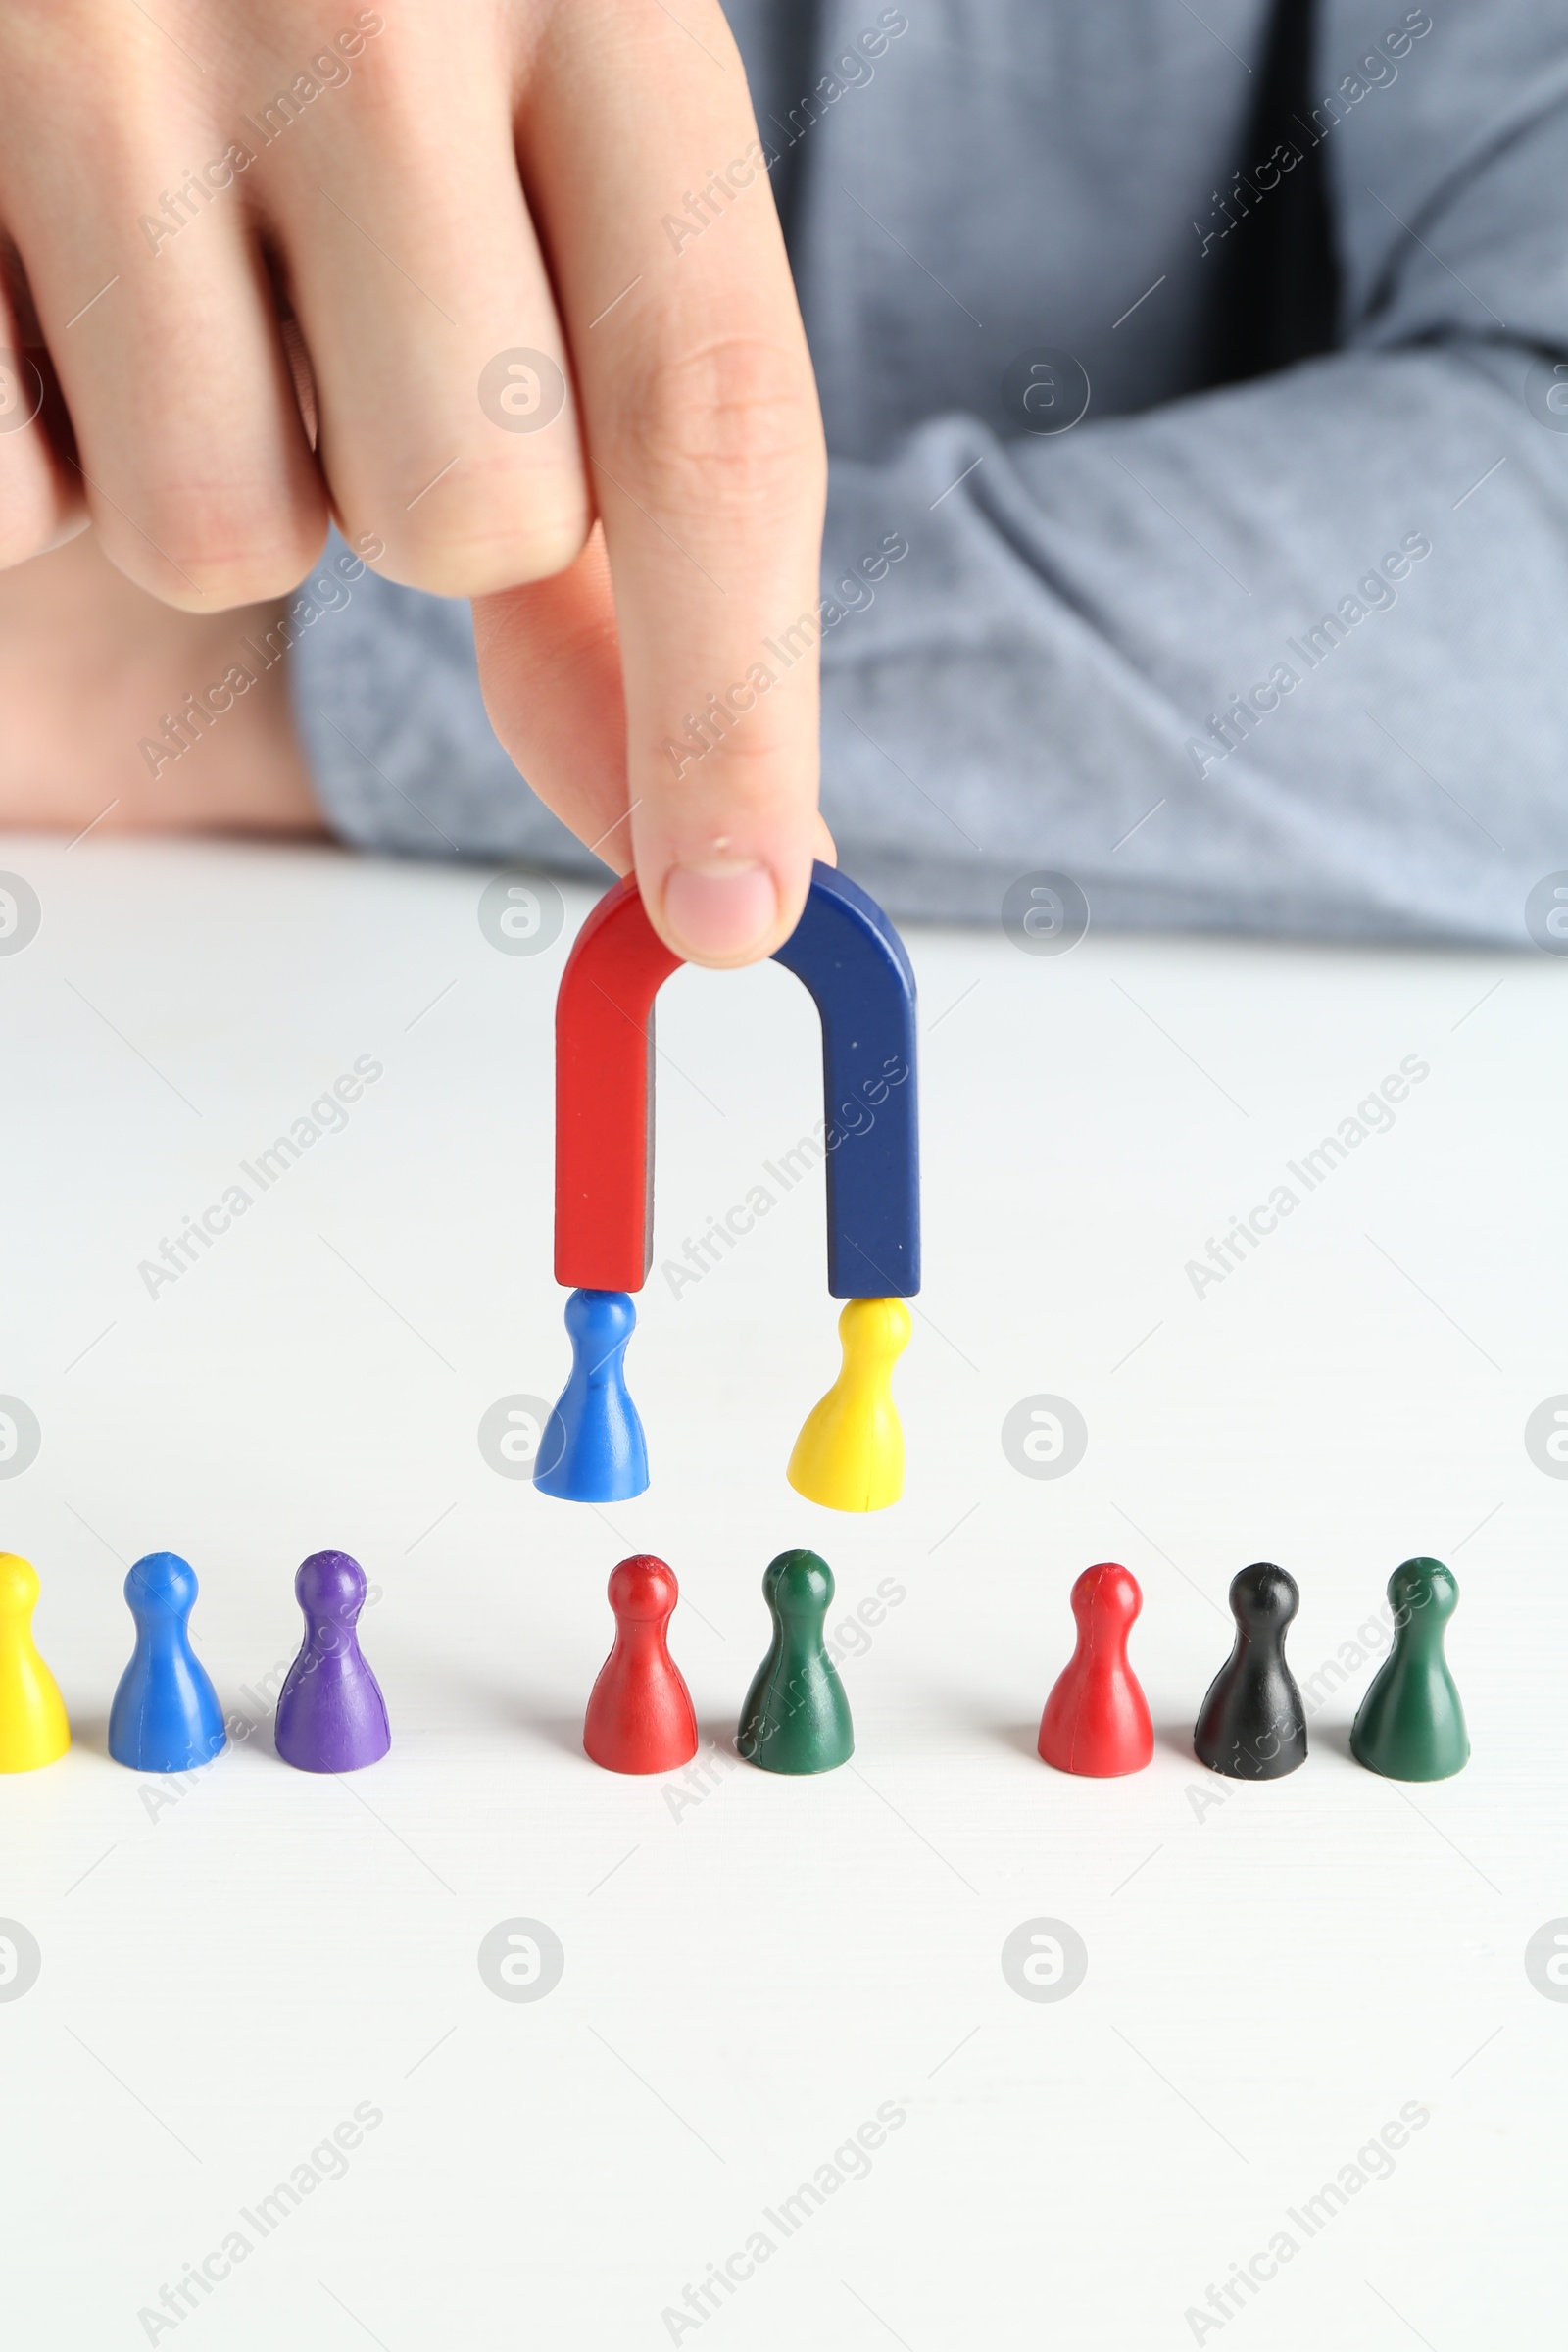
<point>33,1729</point>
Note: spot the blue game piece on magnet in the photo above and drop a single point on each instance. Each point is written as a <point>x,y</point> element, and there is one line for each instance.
<point>166,1716</point>
<point>593,1442</point>
<point>855,966</point>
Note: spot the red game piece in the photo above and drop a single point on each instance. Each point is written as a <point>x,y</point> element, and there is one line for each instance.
<point>640,1714</point>
<point>1097,1718</point>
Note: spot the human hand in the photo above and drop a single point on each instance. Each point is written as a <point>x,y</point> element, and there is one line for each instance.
<point>452,229</point>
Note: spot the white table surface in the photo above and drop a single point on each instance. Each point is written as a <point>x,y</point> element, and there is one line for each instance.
<point>747,1979</point>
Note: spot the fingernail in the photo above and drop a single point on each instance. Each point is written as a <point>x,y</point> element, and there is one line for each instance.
<point>720,909</point>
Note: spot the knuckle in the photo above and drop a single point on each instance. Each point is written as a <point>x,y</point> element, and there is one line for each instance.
<point>203,544</point>
<point>29,526</point>
<point>38,505</point>
<point>471,550</point>
<point>734,421</point>
<point>461,569</point>
<point>194,582</point>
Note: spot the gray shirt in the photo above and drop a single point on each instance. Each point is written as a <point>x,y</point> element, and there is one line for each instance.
<point>1198,509</point>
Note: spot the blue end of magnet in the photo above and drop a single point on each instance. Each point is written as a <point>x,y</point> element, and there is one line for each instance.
<point>855,964</point>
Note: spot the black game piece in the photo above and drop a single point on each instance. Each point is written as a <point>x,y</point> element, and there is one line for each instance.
<point>1253,1725</point>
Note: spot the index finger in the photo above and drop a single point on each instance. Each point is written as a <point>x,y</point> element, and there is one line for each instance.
<point>650,186</point>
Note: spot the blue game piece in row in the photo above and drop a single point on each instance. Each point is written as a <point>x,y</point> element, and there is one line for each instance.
<point>166,1716</point>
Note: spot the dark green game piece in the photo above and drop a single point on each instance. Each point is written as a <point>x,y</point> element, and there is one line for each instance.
<point>1410,1725</point>
<point>796,1717</point>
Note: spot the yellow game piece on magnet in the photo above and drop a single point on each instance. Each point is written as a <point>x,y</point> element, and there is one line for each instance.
<point>33,1729</point>
<point>850,1456</point>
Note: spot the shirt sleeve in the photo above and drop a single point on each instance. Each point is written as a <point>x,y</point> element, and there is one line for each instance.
<point>1284,656</point>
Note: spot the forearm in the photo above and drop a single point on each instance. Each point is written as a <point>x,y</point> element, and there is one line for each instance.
<point>1045,666</point>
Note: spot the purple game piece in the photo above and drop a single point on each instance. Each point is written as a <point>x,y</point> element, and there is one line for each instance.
<point>332,1716</point>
